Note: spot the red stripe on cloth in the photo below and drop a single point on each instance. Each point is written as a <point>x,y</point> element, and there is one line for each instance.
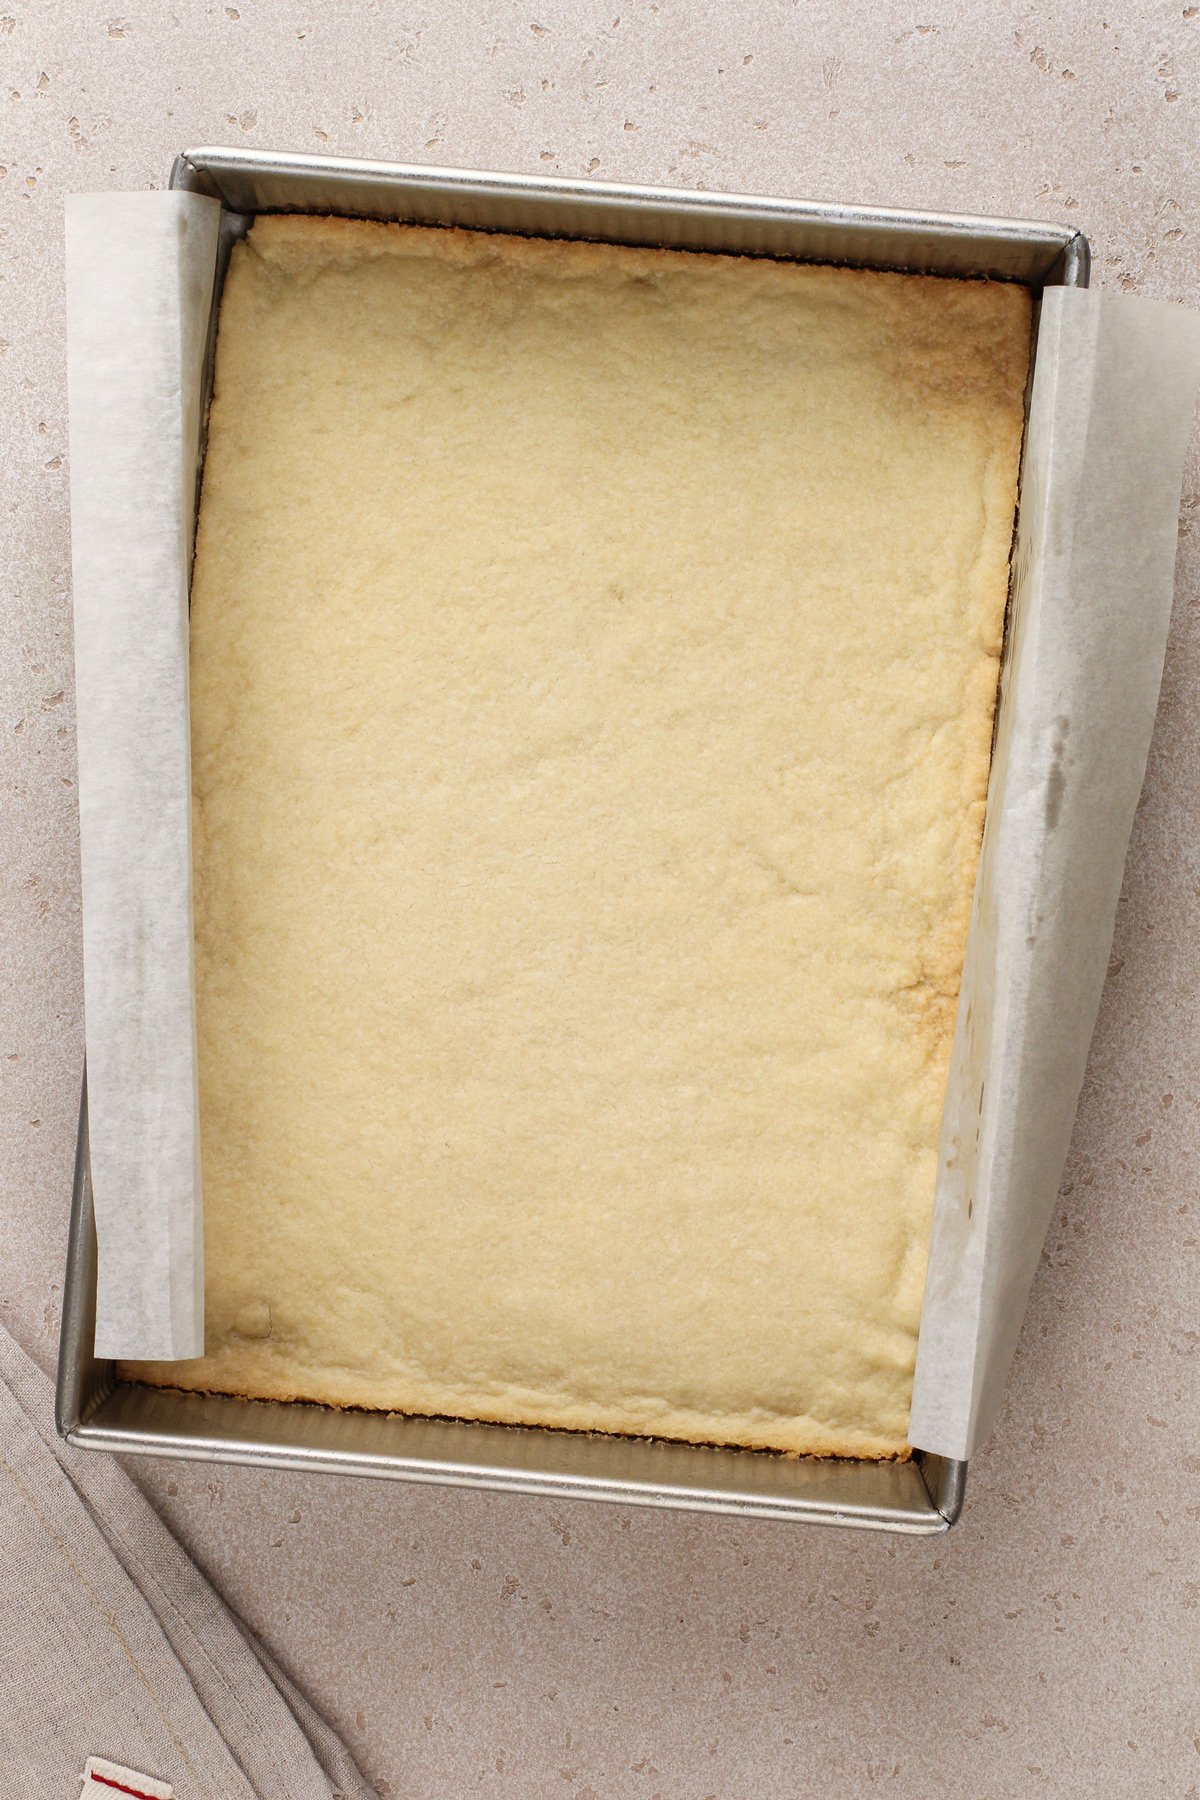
<point>138,1793</point>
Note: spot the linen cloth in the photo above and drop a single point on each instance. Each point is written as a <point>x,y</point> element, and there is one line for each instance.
<point>113,1644</point>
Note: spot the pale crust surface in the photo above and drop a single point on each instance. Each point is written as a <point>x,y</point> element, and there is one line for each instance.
<point>593,662</point>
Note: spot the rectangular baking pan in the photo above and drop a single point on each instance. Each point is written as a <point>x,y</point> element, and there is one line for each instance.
<point>94,1410</point>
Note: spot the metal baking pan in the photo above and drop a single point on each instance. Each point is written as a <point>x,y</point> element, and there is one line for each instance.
<point>94,1410</point>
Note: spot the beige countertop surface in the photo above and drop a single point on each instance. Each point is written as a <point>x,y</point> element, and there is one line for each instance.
<point>471,1643</point>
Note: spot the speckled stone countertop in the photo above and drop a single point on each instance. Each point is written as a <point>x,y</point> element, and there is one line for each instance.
<point>473,1643</point>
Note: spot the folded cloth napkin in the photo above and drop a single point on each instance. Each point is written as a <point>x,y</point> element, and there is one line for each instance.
<point>114,1646</point>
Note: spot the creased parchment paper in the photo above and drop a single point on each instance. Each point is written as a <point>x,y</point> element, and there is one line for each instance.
<point>1113,394</point>
<point>140,273</point>
<point>1111,405</point>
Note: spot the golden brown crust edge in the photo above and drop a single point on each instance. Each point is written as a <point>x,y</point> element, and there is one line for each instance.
<point>817,1441</point>
<point>326,239</point>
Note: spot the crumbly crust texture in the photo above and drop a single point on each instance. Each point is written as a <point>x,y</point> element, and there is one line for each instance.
<point>594,653</point>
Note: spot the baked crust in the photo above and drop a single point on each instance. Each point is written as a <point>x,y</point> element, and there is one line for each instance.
<point>593,654</point>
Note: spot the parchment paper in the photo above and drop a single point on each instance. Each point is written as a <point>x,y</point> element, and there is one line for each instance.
<point>139,289</point>
<point>1111,405</point>
<point>1113,393</point>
